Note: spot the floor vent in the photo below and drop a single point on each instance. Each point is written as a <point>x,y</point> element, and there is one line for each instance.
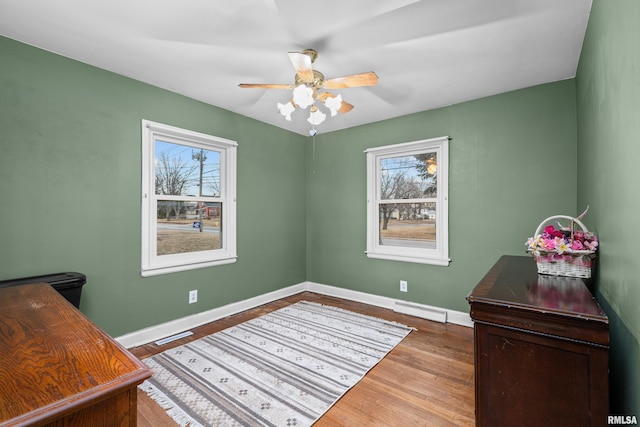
<point>423,311</point>
<point>173,337</point>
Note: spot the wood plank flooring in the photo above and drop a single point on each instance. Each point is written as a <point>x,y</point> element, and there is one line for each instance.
<point>427,380</point>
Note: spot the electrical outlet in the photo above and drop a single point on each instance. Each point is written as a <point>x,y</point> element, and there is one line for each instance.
<point>193,296</point>
<point>403,286</point>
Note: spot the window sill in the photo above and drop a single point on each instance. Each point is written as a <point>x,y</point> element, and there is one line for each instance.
<point>149,272</point>
<point>404,258</point>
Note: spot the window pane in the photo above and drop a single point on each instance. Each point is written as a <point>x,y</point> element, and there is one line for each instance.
<point>408,224</point>
<point>409,177</point>
<point>186,171</point>
<point>407,206</point>
<point>188,227</point>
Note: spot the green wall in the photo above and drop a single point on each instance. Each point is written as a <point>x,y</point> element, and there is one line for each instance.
<point>70,180</point>
<point>608,105</point>
<point>512,164</point>
<point>70,185</point>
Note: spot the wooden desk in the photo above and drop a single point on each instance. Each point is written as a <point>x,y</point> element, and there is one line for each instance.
<point>59,369</point>
<point>541,349</point>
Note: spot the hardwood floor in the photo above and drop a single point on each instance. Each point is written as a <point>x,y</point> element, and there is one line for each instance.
<point>427,380</point>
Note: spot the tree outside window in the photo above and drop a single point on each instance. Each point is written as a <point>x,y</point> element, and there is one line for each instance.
<point>407,202</point>
<point>188,199</point>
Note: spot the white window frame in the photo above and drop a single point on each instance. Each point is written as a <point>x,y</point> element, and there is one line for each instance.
<point>152,264</point>
<point>440,254</point>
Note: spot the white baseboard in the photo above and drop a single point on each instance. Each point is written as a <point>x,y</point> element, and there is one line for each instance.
<point>156,332</point>
<point>452,316</point>
<point>459,318</point>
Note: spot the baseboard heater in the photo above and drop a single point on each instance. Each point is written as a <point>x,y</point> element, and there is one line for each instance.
<point>173,337</point>
<point>419,310</point>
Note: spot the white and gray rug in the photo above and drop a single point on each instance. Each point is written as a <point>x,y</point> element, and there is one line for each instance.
<point>285,368</point>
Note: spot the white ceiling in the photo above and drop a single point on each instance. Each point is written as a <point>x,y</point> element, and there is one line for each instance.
<point>427,54</point>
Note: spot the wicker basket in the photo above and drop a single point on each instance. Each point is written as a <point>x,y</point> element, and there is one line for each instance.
<point>570,264</point>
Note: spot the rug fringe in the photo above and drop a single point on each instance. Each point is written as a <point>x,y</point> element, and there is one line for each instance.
<point>169,406</point>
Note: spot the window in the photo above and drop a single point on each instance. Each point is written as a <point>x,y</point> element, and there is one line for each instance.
<point>188,199</point>
<point>407,202</point>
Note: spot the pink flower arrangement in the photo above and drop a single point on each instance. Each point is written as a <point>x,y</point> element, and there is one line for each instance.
<point>562,241</point>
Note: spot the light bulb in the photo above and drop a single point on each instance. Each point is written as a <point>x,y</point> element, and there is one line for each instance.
<point>333,103</point>
<point>286,110</point>
<point>316,117</point>
<point>303,96</point>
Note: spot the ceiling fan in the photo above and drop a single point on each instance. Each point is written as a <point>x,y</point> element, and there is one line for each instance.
<point>310,86</point>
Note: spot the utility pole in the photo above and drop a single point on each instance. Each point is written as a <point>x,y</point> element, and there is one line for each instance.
<point>200,157</point>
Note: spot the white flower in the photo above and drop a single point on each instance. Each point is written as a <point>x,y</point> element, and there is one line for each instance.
<point>563,247</point>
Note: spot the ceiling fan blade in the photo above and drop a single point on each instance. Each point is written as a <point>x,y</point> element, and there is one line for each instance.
<point>302,63</point>
<point>345,108</point>
<point>265,86</point>
<point>354,80</point>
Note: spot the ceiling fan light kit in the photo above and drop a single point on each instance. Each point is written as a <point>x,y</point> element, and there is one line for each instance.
<point>303,96</point>
<point>316,117</point>
<point>310,86</point>
<point>286,110</point>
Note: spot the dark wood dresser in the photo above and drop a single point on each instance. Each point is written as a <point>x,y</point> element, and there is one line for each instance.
<point>541,349</point>
<point>58,369</point>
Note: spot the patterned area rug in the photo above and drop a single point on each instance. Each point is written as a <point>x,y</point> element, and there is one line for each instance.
<point>285,368</point>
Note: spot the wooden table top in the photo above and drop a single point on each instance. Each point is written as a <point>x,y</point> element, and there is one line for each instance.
<point>53,360</point>
<point>513,295</point>
<point>514,282</point>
